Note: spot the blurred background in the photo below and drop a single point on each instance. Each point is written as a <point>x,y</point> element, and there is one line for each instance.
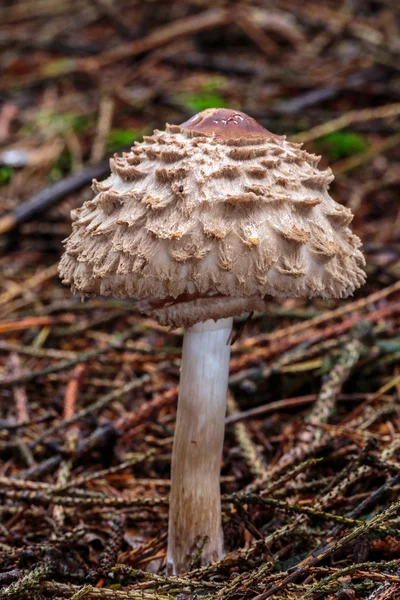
<point>88,391</point>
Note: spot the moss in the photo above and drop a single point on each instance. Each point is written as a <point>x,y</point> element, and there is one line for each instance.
<point>119,138</point>
<point>58,67</point>
<point>61,166</point>
<point>341,144</point>
<point>54,123</point>
<point>209,95</point>
<point>6,174</point>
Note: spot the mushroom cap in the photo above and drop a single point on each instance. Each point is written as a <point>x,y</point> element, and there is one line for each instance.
<point>206,219</point>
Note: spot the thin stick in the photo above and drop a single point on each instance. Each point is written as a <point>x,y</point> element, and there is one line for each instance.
<point>334,314</point>
<point>20,397</point>
<point>50,196</point>
<point>71,437</point>
<point>245,442</point>
<point>98,405</point>
<point>62,366</point>
<point>349,118</point>
<point>159,37</point>
<point>358,159</point>
<point>40,277</point>
<point>106,113</point>
<point>246,21</point>
<point>372,397</point>
<point>286,403</point>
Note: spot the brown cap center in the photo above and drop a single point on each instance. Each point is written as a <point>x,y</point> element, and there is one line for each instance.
<point>226,123</point>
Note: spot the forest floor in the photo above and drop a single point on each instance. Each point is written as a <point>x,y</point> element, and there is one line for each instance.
<point>311,463</point>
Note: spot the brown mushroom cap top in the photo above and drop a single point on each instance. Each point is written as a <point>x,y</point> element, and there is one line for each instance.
<point>208,218</point>
<point>226,124</point>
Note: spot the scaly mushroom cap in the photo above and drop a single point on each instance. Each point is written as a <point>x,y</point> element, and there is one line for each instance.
<point>206,219</point>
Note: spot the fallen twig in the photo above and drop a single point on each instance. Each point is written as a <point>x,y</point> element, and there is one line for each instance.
<point>49,197</point>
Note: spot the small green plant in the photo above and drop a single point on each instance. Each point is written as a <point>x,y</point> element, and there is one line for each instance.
<point>6,173</point>
<point>118,138</point>
<point>58,66</point>
<point>52,123</point>
<point>62,165</point>
<point>342,144</point>
<point>209,95</point>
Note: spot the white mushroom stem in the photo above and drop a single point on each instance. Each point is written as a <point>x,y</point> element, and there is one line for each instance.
<point>195,500</point>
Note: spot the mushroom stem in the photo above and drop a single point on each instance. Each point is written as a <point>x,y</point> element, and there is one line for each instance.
<point>195,501</point>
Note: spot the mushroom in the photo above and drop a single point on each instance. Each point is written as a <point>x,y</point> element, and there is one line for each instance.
<point>201,222</point>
